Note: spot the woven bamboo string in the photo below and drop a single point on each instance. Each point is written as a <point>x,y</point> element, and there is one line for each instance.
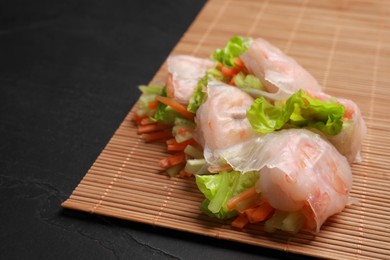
<point>257,19</point>
<point>343,44</point>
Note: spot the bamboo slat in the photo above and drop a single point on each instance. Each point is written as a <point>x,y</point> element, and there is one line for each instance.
<point>346,46</point>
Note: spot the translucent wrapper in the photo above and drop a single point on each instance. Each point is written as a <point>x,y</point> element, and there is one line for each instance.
<point>349,141</point>
<point>184,72</point>
<point>281,75</point>
<point>221,120</point>
<point>299,171</point>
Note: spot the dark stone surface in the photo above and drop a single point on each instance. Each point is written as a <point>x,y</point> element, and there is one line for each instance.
<point>68,77</point>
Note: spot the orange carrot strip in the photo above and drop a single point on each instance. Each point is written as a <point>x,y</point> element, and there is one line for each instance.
<point>229,71</point>
<point>176,147</point>
<point>238,62</point>
<point>260,213</point>
<point>136,118</point>
<point>177,158</point>
<point>181,146</point>
<point>164,163</point>
<point>182,130</point>
<point>251,202</point>
<point>348,114</point>
<point>215,169</point>
<point>232,82</point>
<point>147,121</point>
<point>190,141</point>
<point>153,104</point>
<point>176,106</point>
<point>143,129</point>
<point>171,141</point>
<point>232,203</point>
<point>183,173</point>
<point>155,136</point>
<point>172,160</point>
<point>240,221</point>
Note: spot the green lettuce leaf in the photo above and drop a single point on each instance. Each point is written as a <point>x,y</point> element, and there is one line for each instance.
<point>234,48</point>
<point>165,113</point>
<point>300,110</point>
<point>160,112</point>
<point>218,189</point>
<point>199,95</point>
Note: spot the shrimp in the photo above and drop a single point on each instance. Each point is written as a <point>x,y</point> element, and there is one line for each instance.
<point>184,72</point>
<point>283,76</point>
<point>279,73</point>
<point>221,120</point>
<point>299,172</point>
<point>307,175</point>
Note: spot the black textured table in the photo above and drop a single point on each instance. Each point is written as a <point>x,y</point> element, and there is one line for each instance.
<point>69,72</point>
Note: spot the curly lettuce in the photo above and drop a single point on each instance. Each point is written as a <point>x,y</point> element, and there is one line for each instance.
<point>199,94</point>
<point>233,49</point>
<point>300,110</point>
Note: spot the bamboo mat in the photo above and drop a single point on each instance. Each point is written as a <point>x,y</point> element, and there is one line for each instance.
<point>346,46</point>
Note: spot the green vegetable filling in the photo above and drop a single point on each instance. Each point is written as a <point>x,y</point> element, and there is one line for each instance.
<point>165,113</point>
<point>300,110</point>
<point>218,189</point>
<point>233,49</point>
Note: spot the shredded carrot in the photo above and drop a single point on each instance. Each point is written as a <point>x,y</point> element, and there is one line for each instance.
<point>182,130</point>
<point>229,71</point>
<point>348,114</point>
<point>177,158</point>
<point>239,63</point>
<point>260,213</point>
<point>232,203</point>
<point>250,202</point>
<point>137,119</point>
<point>172,160</point>
<point>216,169</point>
<point>176,106</point>
<point>157,136</point>
<point>240,221</point>
<point>164,163</point>
<point>171,141</point>
<point>181,146</point>
<point>143,129</point>
<point>147,121</point>
<point>183,173</point>
<point>190,141</point>
<point>232,82</point>
<point>153,104</point>
<point>176,147</point>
